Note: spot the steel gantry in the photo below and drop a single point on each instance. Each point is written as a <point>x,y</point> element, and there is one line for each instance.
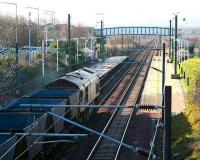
<point>103,33</point>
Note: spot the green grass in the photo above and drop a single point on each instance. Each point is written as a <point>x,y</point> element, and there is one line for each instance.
<point>181,130</point>
<point>186,126</point>
<point>195,156</point>
<point>192,70</point>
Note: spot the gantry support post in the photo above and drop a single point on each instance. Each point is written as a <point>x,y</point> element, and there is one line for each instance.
<point>167,122</point>
<point>69,43</point>
<point>170,42</point>
<point>102,43</point>
<point>122,41</point>
<point>163,79</point>
<point>172,49</point>
<point>176,36</point>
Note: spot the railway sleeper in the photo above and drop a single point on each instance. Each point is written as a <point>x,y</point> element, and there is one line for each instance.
<point>108,138</point>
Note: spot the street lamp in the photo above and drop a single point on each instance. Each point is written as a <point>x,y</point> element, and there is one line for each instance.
<point>101,14</point>
<point>29,37</point>
<point>46,38</point>
<point>16,47</point>
<point>38,28</point>
<point>172,38</point>
<point>85,38</point>
<point>46,28</point>
<point>53,20</point>
<point>184,39</point>
<point>176,37</point>
<point>53,15</point>
<point>96,25</point>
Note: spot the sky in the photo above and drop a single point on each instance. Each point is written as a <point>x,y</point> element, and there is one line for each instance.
<point>116,12</point>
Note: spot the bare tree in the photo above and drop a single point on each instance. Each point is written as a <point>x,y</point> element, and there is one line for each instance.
<point>7,31</point>
<point>7,27</point>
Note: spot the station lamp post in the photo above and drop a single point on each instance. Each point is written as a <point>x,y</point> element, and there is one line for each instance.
<point>102,37</point>
<point>172,38</point>
<point>69,42</point>
<point>53,14</point>
<point>16,45</point>
<point>102,43</point>
<point>85,43</point>
<point>184,39</point>
<point>29,38</point>
<point>77,50</point>
<point>46,39</point>
<point>102,14</point>
<point>176,38</point>
<point>38,25</point>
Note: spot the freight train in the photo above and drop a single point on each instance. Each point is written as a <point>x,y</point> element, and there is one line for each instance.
<point>28,114</point>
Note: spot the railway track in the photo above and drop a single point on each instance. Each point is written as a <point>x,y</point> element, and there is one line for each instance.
<point>110,86</point>
<point>126,93</point>
<point>138,135</point>
<point>113,81</point>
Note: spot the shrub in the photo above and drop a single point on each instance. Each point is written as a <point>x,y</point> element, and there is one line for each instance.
<point>39,56</point>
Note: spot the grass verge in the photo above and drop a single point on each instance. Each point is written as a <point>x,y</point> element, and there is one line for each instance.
<point>186,126</point>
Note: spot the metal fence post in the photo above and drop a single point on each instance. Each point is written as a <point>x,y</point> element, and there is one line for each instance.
<point>188,81</point>
<point>167,122</point>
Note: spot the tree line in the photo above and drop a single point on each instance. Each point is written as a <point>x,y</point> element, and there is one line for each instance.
<point>8,30</point>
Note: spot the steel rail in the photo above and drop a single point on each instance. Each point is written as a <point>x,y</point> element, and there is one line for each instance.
<point>112,117</point>
<point>35,142</point>
<point>127,125</point>
<point>129,62</point>
<point>118,82</point>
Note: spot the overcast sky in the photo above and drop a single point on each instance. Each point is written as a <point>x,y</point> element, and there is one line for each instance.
<point>116,12</point>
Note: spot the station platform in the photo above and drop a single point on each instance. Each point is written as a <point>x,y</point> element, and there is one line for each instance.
<point>153,86</point>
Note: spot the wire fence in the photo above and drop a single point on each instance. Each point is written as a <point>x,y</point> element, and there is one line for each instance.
<point>33,72</point>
